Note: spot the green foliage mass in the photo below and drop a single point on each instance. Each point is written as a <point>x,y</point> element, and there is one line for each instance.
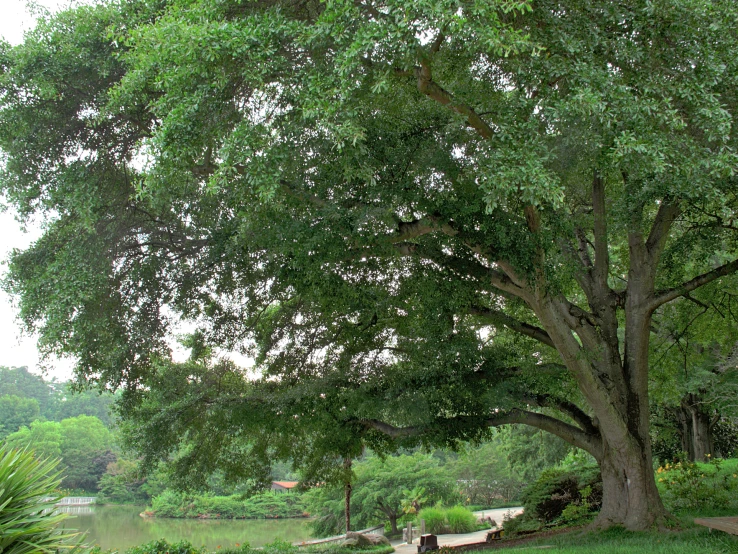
<point>18,381</point>
<point>56,401</point>
<point>529,451</point>
<point>690,540</point>
<point>122,483</point>
<point>707,488</point>
<point>162,547</point>
<point>378,490</point>
<point>263,506</point>
<point>83,443</point>
<point>439,520</point>
<point>485,475</point>
<point>277,547</point>
<point>461,520</point>
<point>361,195</point>
<point>28,492</point>
<point>16,412</point>
<point>435,519</point>
<point>559,496</point>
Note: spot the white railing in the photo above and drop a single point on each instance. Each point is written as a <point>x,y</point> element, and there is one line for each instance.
<point>75,510</point>
<point>76,501</point>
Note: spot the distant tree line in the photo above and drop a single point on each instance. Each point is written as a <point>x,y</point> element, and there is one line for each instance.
<point>26,397</point>
<point>57,422</point>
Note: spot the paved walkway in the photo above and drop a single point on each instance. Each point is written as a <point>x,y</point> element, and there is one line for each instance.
<point>458,540</point>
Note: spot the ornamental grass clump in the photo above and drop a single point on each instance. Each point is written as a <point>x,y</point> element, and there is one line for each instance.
<point>435,520</point>
<point>461,520</point>
<point>450,520</point>
<point>28,522</point>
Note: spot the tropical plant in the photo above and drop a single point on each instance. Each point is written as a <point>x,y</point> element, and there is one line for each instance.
<point>28,522</point>
<point>413,499</point>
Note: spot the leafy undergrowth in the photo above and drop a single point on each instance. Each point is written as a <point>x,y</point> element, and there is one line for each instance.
<point>691,540</point>
<point>705,489</point>
<point>264,506</point>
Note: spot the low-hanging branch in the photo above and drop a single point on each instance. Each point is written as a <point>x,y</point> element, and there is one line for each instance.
<point>589,441</point>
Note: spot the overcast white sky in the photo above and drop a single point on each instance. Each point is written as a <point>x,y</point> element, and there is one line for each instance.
<point>15,349</point>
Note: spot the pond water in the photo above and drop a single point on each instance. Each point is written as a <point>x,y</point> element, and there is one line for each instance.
<point>121,527</point>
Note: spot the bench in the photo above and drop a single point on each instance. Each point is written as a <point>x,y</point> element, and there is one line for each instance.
<point>727,524</point>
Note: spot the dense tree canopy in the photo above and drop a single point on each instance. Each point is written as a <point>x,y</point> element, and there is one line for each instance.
<point>694,377</point>
<point>83,445</point>
<point>421,218</point>
<point>16,412</point>
<point>19,382</point>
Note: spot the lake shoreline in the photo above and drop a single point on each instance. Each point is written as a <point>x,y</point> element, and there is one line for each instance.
<point>119,526</point>
<point>148,514</point>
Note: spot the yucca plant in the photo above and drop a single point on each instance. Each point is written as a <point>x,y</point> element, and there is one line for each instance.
<point>28,521</point>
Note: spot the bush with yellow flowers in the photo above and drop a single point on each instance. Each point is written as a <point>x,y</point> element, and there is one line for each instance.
<point>690,486</point>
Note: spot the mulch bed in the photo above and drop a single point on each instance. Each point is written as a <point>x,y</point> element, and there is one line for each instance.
<point>507,543</point>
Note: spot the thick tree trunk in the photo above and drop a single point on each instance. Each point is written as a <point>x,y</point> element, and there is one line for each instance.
<point>617,391</point>
<point>393,524</point>
<point>697,440</point>
<point>685,431</point>
<point>630,497</point>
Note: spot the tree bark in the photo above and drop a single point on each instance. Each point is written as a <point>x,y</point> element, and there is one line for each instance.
<point>614,384</point>
<point>696,430</point>
<point>347,493</point>
<point>685,431</point>
<point>630,497</point>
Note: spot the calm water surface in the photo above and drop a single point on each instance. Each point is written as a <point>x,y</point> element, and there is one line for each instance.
<point>121,527</point>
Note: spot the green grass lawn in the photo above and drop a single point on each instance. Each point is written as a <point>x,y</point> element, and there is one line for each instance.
<point>690,540</point>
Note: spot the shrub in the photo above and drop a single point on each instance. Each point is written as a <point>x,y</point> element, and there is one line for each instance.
<point>693,486</point>
<point>461,520</point>
<point>28,522</point>
<point>435,520</point>
<point>458,519</point>
<point>163,547</point>
<point>263,506</point>
<point>245,548</point>
<point>548,496</point>
<point>559,496</point>
<point>522,524</point>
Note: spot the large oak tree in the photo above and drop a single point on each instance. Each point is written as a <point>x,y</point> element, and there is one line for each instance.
<point>384,194</point>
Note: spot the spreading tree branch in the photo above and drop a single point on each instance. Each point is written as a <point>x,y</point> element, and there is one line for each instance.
<point>579,416</point>
<point>665,217</point>
<point>513,324</point>
<point>602,257</point>
<point>433,90</point>
<point>592,443</point>
<point>662,297</point>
